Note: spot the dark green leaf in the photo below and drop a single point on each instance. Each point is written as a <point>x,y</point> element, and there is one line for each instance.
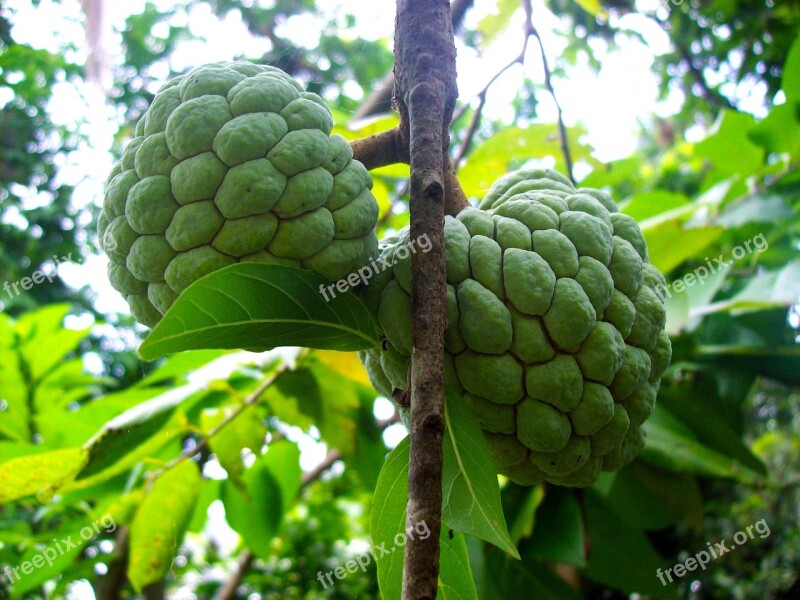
<point>259,307</point>
<point>470,491</point>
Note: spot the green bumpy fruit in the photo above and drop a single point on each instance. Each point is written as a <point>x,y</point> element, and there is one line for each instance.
<point>232,162</point>
<point>555,337</point>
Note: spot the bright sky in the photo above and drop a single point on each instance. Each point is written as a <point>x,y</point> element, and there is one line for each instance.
<point>611,104</point>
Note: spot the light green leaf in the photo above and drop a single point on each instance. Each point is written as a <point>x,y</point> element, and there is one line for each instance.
<point>39,473</point>
<point>729,148</point>
<point>780,131</point>
<point>283,460</point>
<point>791,72</point>
<point>470,491</point>
<point>593,7</point>
<point>254,508</point>
<point>388,519</point>
<point>159,524</point>
<point>764,291</point>
<point>259,307</point>
<point>246,430</point>
<point>672,445</point>
<point>44,340</point>
<point>494,24</point>
<point>512,146</point>
<point>665,254</point>
<point>649,204</point>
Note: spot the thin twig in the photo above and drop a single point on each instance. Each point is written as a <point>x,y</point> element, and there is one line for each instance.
<point>250,400</point>
<point>476,116</point>
<point>245,560</point>
<point>713,97</point>
<point>548,82</point>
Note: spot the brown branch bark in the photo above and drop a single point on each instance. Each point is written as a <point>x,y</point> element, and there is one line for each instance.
<point>380,101</point>
<point>110,586</point>
<point>381,149</point>
<point>389,147</point>
<point>425,94</point>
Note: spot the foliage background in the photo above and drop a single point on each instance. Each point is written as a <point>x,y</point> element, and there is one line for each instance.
<point>716,170</point>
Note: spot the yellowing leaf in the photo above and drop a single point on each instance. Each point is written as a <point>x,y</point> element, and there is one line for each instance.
<point>344,363</point>
<point>159,524</point>
<point>593,7</point>
<point>27,475</point>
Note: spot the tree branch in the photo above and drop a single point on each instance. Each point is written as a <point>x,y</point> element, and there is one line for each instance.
<point>389,147</point>
<point>380,101</point>
<point>245,560</point>
<point>110,586</point>
<point>425,93</point>
<point>548,82</point>
<point>251,399</point>
<point>380,149</point>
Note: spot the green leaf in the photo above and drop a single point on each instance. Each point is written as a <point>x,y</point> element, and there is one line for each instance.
<point>523,522</point>
<point>780,131</point>
<point>699,412</point>
<point>649,498</point>
<point>259,307</point>
<point>124,433</point>
<point>315,394</point>
<point>510,578</point>
<point>791,72</point>
<point>665,254</point>
<point>246,430</point>
<point>470,491</point>
<point>622,557</point>
<point>649,204</point>
<point>558,535</point>
<point>254,508</point>
<point>672,445</point>
<point>492,25</point>
<point>283,460</point>
<point>455,576</point>
<point>367,459</point>
<point>729,148</point>
<point>388,519</point>
<point>781,363</point>
<point>159,524</point>
<point>39,473</point>
<point>51,569</point>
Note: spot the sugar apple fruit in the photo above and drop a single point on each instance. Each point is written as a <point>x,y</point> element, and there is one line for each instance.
<point>555,335</point>
<point>232,162</point>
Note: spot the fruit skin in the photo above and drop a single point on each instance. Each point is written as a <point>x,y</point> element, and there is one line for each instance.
<point>555,337</point>
<point>232,162</point>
